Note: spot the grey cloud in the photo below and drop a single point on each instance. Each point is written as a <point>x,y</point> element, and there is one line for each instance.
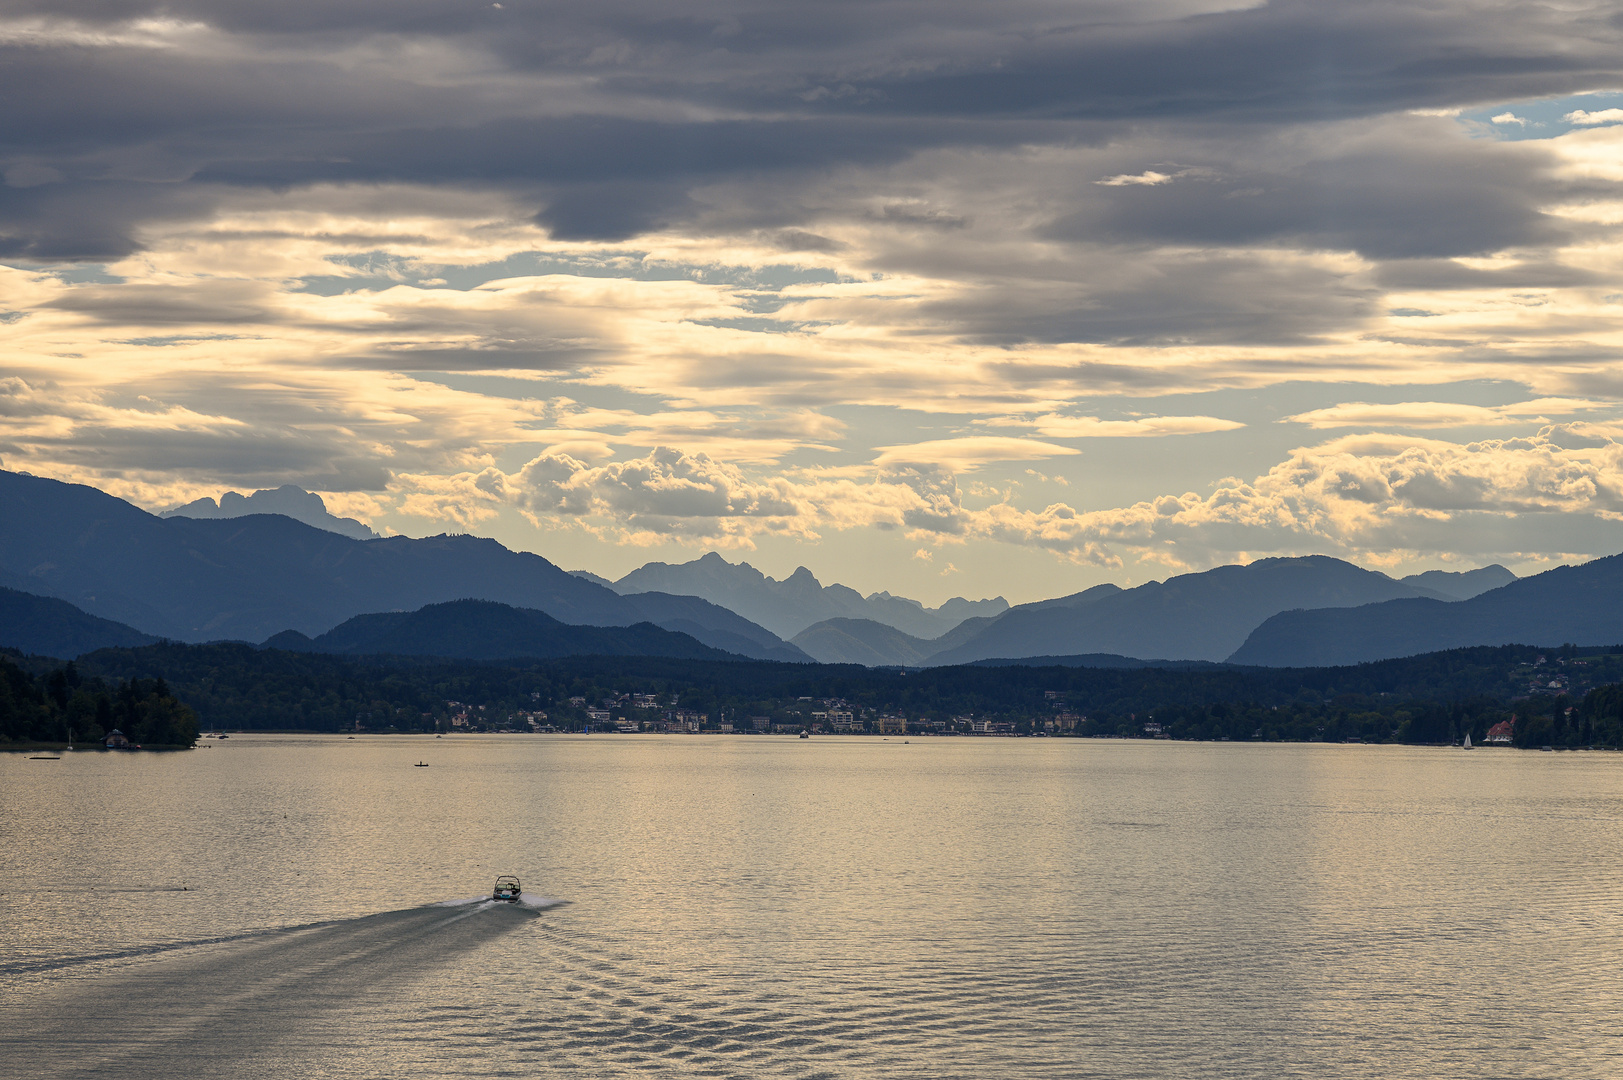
<point>250,459</point>
<point>1276,61</point>
<point>61,222</point>
<point>410,356</point>
<point>1128,296</point>
<point>804,89</point>
<point>1408,197</point>
<point>218,302</point>
<point>1531,273</point>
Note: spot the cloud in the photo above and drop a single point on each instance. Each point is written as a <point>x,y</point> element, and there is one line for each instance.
<point>1148,178</point>
<point>1091,427</point>
<point>1439,414</point>
<point>668,492</point>
<point>969,452</point>
<point>1367,497</point>
<point>1510,118</point>
<point>605,121</point>
<point>1591,119</point>
<point>397,248</point>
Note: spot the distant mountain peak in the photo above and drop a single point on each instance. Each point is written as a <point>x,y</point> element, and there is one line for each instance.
<point>800,600</point>
<point>287,500</point>
<point>1462,585</point>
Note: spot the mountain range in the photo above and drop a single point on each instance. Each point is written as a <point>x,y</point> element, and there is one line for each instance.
<point>1581,605</point>
<point>50,627</point>
<point>1204,616</point>
<point>248,578</point>
<point>484,630</point>
<point>80,570</point>
<point>789,606</point>
<point>290,501</point>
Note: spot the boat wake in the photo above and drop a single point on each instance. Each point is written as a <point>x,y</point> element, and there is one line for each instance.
<point>525,900</point>
<point>207,1007</point>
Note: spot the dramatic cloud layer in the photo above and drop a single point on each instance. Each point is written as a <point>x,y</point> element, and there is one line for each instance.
<point>857,276</point>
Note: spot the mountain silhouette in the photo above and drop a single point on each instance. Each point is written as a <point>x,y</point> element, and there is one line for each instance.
<point>1204,616</point>
<point>798,601</point>
<point>250,577</point>
<point>50,627</point>
<point>1462,585</point>
<point>483,630</point>
<point>287,500</point>
<point>1581,605</point>
<point>862,641</point>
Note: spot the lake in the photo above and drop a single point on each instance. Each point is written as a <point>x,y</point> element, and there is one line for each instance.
<point>754,906</point>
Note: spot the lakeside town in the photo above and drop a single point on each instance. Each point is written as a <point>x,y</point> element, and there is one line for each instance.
<point>640,713</point>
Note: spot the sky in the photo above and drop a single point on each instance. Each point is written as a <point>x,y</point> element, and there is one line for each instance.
<point>943,298</point>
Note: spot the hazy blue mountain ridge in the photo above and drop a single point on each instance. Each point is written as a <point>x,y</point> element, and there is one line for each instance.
<point>862,641</point>
<point>1461,585</point>
<point>46,626</point>
<point>1581,605</point>
<point>715,626</point>
<point>484,630</point>
<point>253,576</point>
<point>789,606</point>
<point>250,577</point>
<point>1203,616</point>
<point>287,500</point>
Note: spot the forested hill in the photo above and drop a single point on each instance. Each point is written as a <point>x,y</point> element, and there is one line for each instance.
<point>1434,698</point>
<point>48,707</point>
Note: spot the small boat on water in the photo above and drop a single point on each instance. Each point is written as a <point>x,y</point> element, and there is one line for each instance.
<point>421,765</point>
<point>44,757</point>
<point>1467,744</point>
<point>507,889</point>
<point>805,734</point>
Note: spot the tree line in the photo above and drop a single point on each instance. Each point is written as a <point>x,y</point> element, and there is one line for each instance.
<point>1435,698</point>
<point>56,705</point>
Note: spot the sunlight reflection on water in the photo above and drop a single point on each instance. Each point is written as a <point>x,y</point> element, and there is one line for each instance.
<point>759,906</point>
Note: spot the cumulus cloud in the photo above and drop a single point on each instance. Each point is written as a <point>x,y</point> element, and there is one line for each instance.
<point>668,492</point>
<point>1368,497</point>
<point>1374,498</point>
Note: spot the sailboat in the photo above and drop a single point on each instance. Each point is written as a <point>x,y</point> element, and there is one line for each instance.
<point>1467,744</point>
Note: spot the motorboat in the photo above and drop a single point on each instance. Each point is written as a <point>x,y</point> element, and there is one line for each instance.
<point>507,889</point>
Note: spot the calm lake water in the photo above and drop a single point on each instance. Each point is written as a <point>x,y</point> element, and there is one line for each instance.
<point>762,907</point>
